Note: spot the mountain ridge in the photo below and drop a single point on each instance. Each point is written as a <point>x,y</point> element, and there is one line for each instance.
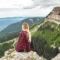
<point>54,15</point>
<point>15,28</point>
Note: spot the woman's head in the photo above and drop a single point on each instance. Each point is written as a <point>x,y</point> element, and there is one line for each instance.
<point>25,26</point>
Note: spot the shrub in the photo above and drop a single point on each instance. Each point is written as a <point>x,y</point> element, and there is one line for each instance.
<point>43,47</point>
<point>5,46</point>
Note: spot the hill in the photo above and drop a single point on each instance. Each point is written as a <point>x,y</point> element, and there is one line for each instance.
<point>45,39</point>
<point>4,22</point>
<point>13,30</point>
<point>9,38</point>
<point>54,15</point>
<point>47,35</point>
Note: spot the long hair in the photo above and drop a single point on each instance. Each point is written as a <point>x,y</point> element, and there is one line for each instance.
<point>25,27</point>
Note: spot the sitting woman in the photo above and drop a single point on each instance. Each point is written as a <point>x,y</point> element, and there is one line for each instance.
<point>24,41</point>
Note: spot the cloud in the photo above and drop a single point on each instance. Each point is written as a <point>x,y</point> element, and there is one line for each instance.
<point>15,3</point>
<point>47,3</point>
<point>28,4</point>
<point>9,8</point>
<point>37,11</point>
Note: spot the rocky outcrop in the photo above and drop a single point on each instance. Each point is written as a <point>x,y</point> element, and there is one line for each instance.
<point>56,57</point>
<point>13,55</point>
<point>54,14</point>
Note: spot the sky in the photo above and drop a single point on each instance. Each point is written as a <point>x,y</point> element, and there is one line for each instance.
<point>32,8</point>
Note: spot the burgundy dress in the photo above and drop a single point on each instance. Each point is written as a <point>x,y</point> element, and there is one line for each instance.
<point>23,44</point>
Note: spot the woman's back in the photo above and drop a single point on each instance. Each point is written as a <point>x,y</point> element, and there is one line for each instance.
<point>23,43</point>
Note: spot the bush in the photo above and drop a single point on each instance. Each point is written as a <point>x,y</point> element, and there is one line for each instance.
<point>43,47</point>
<point>38,44</point>
<point>5,46</point>
<point>50,52</point>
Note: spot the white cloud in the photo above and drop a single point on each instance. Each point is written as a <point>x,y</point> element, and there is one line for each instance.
<point>15,3</point>
<point>9,8</point>
<point>25,12</point>
<point>47,2</point>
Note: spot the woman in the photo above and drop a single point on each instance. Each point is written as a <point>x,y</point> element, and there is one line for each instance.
<point>24,41</point>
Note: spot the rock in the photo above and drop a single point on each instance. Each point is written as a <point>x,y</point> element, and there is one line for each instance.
<point>54,15</point>
<point>13,55</point>
<point>56,57</point>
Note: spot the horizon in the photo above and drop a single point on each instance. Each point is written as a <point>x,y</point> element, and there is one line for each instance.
<point>5,22</point>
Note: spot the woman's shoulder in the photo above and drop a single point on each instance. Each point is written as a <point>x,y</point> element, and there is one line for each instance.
<point>23,32</point>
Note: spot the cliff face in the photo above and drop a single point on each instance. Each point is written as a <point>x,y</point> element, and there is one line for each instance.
<point>54,14</point>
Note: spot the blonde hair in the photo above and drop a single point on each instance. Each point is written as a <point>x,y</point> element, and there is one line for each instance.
<point>25,26</point>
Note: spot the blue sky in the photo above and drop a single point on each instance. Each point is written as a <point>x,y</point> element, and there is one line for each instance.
<point>9,8</point>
